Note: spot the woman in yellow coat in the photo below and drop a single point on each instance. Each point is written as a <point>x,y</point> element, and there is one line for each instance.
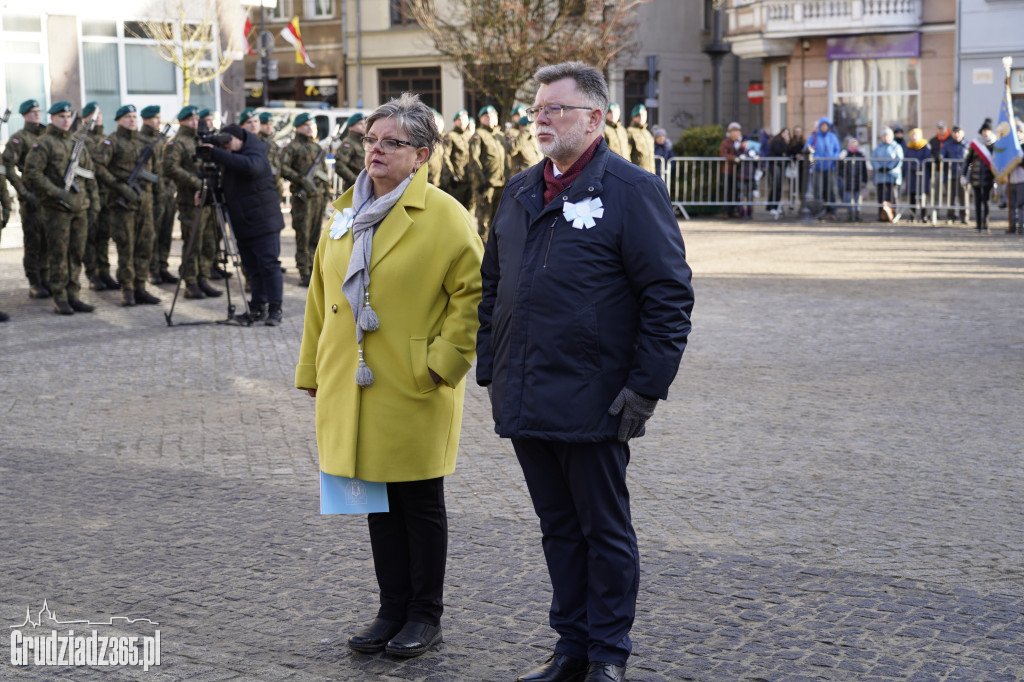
<point>389,336</point>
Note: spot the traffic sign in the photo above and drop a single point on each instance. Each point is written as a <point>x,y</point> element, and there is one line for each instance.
<point>755,93</point>
<point>265,44</point>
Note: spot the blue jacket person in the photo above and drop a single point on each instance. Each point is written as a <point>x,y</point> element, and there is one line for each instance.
<point>583,321</point>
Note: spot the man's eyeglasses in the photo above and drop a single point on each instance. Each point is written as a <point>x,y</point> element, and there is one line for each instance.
<point>550,110</point>
<point>388,144</point>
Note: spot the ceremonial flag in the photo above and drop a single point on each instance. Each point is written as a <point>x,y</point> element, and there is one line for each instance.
<point>245,32</point>
<point>292,34</point>
<point>1006,153</point>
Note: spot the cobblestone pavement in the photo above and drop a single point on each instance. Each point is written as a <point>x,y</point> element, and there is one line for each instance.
<point>832,492</point>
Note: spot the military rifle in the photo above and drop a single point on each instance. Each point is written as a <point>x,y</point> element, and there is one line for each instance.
<point>139,172</point>
<point>73,171</point>
<point>314,172</point>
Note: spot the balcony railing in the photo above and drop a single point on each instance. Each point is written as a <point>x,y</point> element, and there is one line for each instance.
<point>843,16</point>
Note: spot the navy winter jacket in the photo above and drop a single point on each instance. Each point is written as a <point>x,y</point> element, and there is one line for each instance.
<point>572,314</point>
<point>249,189</point>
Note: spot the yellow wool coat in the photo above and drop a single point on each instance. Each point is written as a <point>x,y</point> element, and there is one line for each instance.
<point>425,288</point>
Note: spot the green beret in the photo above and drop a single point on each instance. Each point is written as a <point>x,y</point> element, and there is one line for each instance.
<point>246,114</point>
<point>486,110</point>
<point>203,113</point>
<point>152,111</point>
<point>89,108</point>
<point>300,119</point>
<point>186,112</point>
<point>613,105</point>
<point>524,121</point>
<point>126,109</point>
<point>27,106</point>
<point>354,119</point>
<point>60,108</point>
<point>266,117</point>
<point>637,109</point>
<point>517,111</point>
<point>460,112</point>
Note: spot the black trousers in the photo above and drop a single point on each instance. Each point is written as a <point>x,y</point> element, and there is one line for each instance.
<point>261,257</point>
<point>579,493</point>
<point>410,548</point>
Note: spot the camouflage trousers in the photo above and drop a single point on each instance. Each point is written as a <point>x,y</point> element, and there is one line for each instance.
<point>464,194</point>
<point>65,239</point>
<point>35,259</point>
<point>486,204</point>
<point>307,217</point>
<point>133,234</point>
<point>204,248</point>
<point>163,228</point>
<point>97,244</point>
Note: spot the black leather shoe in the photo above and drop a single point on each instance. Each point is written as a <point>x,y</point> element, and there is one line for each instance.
<point>144,297</point>
<point>167,277</point>
<point>109,281</point>
<point>80,306</point>
<point>63,308</point>
<point>558,668</point>
<point>375,637</point>
<point>208,289</point>
<point>414,639</point>
<point>605,672</point>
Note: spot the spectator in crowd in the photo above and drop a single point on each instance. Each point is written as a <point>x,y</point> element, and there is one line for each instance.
<point>797,144</point>
<point>897,136</point>
<point>952,154</point>
<point>662,150</point>
<point>917,171</point>
<point>978,173</point>
<point>887,164</point>
<point>824,148</point>
<point>853,177</point>
<point>730,150</point>
<point>935,144</point>
<point>778,169</point>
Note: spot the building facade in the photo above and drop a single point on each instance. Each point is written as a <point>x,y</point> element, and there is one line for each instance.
<point>864,64</point>
<point>988,32</point>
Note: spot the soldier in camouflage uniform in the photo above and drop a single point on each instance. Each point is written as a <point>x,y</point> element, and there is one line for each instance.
<point>35,260</point>
<point>308,194</point>
<point>614,132</point>
<point>64,212</point>
<point>266,134</point>
<point>456,144</point>
<point>182,166</point>
<point>131,209</point>
<point>487,149</point>
<point>439,173</point>
<point>5,215</point>
<point>524,152</point>
<point>350,158</point>
<point>163,224</point>
<point>641,142</point>
<point>97,258</point>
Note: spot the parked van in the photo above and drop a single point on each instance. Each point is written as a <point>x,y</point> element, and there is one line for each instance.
<point>327,120</point>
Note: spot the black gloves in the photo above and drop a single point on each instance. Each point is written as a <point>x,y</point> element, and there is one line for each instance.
<point>635,410</point>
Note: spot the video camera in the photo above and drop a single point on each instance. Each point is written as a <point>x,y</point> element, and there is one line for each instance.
<point>210,137</point>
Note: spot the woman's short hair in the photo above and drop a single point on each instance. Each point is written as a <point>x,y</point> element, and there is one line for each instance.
<point>413,117</point>
<point>589,81</point>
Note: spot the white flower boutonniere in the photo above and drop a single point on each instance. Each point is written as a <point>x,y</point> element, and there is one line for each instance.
<point>583,214</point>
<point>342,222</point>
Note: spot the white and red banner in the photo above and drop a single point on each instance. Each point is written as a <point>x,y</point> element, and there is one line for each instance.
<point>293,35</point>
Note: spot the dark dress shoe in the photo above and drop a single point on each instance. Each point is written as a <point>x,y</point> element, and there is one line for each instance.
<point>413,639</point>
<point>144,297</point>
<point>558,668</point>
<point>208,289</point>
<point>167,277</point>
<point>109,281</point>
<point>80,306</point>
<point>193,291</point>
<point>605,672</point>
<point>63,308</point>
<point>375,637</point>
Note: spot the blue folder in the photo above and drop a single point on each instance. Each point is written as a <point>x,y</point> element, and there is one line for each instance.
<point>340,495</point>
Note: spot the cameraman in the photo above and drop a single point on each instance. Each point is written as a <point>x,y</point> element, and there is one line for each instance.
<point>247,182</point>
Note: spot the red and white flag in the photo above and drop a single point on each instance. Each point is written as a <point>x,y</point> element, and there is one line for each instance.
<point>292,34</point>
<point>245,33</point>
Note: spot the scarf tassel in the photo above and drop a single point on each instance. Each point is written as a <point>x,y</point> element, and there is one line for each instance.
<point>364,375</point>
<point>368,320</point>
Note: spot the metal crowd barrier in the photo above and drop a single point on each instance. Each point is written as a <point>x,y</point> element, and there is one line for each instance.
<point>840,189</point>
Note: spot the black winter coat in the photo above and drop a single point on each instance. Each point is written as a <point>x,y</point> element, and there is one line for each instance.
<point>572,314</point>
<point>249,189</point>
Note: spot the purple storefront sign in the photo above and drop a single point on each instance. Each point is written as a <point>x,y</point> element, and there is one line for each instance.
<point>875,46</point>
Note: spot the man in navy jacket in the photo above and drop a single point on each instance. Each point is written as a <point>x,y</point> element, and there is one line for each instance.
<point>251,198</point>
<point>584,318</point>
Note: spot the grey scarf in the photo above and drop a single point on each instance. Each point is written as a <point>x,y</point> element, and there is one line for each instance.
<point>369,212</point>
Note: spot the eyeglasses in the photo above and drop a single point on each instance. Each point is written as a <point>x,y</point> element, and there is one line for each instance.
<point>388,144</point>
<point>550,110</point>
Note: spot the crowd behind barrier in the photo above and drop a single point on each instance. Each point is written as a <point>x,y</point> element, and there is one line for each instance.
<point>835,188</point>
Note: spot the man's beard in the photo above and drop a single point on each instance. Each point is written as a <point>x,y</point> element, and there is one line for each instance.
<point>566,146</point>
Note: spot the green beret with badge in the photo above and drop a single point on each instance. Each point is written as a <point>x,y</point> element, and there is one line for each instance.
<point>89,108</point>
<point>28,105</point>
<point>187,112</point>
<point>637,109</point>
<point>126,109</point>
<point>60,108</point>
<point>266,117</point>
<point>301,119</point>
<point>152,111</point>
<point>246,114</point>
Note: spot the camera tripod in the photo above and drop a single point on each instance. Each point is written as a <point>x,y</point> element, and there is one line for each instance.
<point>227,250</point>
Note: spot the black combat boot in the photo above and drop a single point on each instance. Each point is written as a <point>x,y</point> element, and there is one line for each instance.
<point>257,313</point>
<point>167,277</point>
<point>155,278</point>
<point>127,296</point>
<point>193,291</point>
<point>37,290</point>
<point>63,308</point>
<point>97,284</point>
<point>273,315</point>
<point>80,306</point>
<point>109,281</point>
<point>208,289</point>
<point>144,297</point>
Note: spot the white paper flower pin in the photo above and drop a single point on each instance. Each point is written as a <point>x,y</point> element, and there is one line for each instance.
<point>342,221</point>
<point>583,214</point>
